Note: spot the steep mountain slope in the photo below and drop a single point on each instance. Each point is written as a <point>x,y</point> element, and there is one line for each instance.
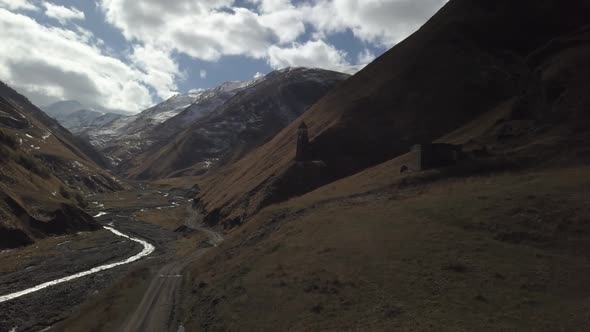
<point>121,138</point>
<point>44,171</point>
<point>63,108</point>
<point>159,113</point>
<point>468,59</point>
<point>205,102</point>
<point>80,120</point>
<point>495,243</point>
<point>248,119</point>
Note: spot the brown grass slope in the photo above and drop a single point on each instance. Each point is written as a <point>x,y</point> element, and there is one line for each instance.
<point>497,245</point>
<point>507,252</point>
<point>44,172</point>
<point>250,118</point>
<point>81,148</point>
<point>469,58</point>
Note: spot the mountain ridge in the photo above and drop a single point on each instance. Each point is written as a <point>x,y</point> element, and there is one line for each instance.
<point>407,96</point>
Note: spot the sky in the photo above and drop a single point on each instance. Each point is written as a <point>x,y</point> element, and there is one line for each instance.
<point>128,55</point>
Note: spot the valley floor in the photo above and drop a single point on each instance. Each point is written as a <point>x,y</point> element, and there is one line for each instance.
<point>145,213</point>
<point>376,251</point>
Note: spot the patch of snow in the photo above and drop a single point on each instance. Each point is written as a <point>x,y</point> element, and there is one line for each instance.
<point>29,136</point>
<point>101,214</point>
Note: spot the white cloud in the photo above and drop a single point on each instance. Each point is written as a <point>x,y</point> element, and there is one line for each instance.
<point>208,30</point>
<point>381,22</point>
<point>365,57</point>
<point>62,14</point>
<point>311,54</point>
<point>285,20</point>
<point>203,74</point>
<point>258,75</point>
<point>51,63</point>
<point>76,65</point>
<point>203,30</point>
<point>158,69</point>
<point>15,5</point>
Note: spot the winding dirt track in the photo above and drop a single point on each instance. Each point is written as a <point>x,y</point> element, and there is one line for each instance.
<point>156,309</point>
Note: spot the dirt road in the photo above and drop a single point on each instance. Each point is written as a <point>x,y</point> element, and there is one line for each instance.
<point>156,309</point>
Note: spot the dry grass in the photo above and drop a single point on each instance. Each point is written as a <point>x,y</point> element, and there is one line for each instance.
<point>190,243</point>
<point>435,257</point>
<point>168,218</point>
<point>106,311</point>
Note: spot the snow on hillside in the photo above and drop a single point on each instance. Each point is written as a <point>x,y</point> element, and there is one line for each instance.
<point>206,101</point>
<point>122,136</point>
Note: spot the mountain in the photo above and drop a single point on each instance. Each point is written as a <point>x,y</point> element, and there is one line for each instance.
<point>248,119</point>
<point>159,113</point>
<point>467,60</point>
<point>78,119</point>
<point>443,187</point>
<point>205,102</point>
<point>496,242</point>
<point>122,137</point>
<point>63,108</point>
<point>45,172</point>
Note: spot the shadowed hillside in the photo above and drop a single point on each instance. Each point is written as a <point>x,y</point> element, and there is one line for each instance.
<point>470,58</point>
<point>245,121</point>
<point>497,242</point>
<point>44,173</point>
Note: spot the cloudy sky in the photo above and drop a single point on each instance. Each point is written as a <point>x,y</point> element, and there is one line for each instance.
<point>130,54</point>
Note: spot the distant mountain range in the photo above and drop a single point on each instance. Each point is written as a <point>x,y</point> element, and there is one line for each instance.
<point>205,126</point>
<point>77,118</point>
<point>252,116</point>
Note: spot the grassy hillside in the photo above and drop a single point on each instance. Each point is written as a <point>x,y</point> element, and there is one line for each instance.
<point>244,122</point>
<point>498,242</point>
<point>44,174</point>
<point>521,65</point>
<point>498,252</point>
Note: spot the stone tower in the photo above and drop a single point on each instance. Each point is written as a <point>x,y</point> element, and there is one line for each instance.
<point>302,143</point>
